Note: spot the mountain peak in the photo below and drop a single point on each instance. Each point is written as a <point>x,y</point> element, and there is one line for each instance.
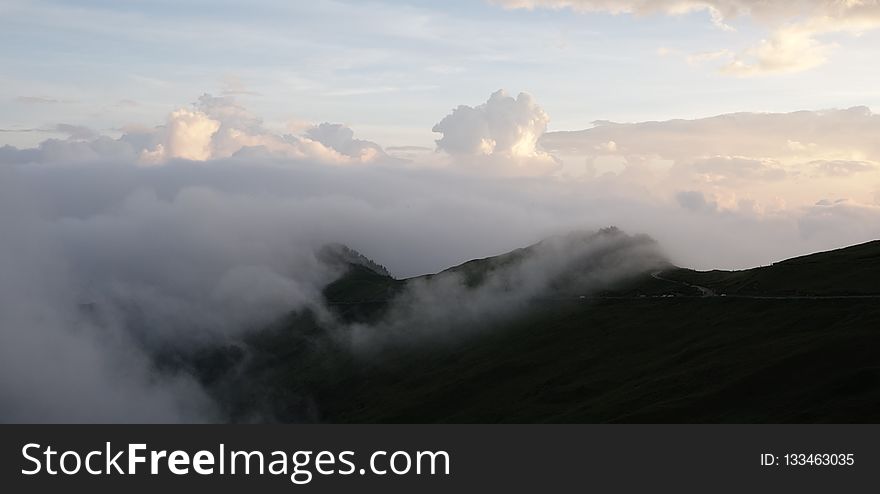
<point>341,255</point>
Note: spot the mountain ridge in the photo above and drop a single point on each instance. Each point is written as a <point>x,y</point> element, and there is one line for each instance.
<point>647,350</point>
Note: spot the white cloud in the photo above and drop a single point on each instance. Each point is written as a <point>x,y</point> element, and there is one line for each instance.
<point>504,129</point>
<point>502,124</point>
<point>784,136</point>
<point>790,159</point>
<point>796,28</point>
<point>218,127</point>
<point>764,159</point>
<point>341,139</point>
<point>188,135</point>
<point>212,128</point>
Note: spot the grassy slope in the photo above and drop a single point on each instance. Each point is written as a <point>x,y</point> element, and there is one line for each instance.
<point>851,271</point>
<point>651,360</point>
<point>634,359</point>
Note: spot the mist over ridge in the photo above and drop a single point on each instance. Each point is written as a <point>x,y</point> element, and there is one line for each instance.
<point>124,258</point>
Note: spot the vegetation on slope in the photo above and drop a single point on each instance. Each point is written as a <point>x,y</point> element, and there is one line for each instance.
<point>787,343</point>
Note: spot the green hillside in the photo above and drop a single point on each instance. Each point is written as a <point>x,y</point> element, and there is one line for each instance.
<point>791,342</point>
<point>641,361</point>
<point>850,271</point>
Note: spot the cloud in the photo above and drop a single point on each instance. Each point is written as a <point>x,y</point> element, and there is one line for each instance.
<point>843,168</point>
<point>842,217</point>
<point>109,264</point>
<point>733,170</point>
<point>504,128</point>
<point>218,127</point>
<point>78,132</point>
<point>408,148</point>
<point>341,139</point>
<point>779,136</point>
<point>233,86</point>
<point>709,56</point>
<point>796,28</point>
<point>37,100</point>
<point>502,291</point>
<point>763,162</point>
<point>694,200</point>
<point>66,151</point>
<point>501,125</point>
<point>843,132</point>
<point>720,10</point>
<point>188,134</point>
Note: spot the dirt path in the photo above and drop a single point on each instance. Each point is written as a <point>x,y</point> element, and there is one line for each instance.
<point>706,292</point>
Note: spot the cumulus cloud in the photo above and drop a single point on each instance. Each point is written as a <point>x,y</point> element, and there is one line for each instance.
<point>188,135</point>
<point>503,128</point>
<point>571,265</point>
<point>212,128</point>
<point>341,139</point>
<point>773,160</point>
<point>694,200</point>
<point>735,170</point>
<point>841,132</point>
<point>498,137</point>
<point>796,28</point>
<point>72,131</point>
<point>107,264</point>
<point>218,127</point>
<point>790,49</point>
<point>56,364</point>
<point>78,132</point>
<point>501,125</point>
<point>829,217</point>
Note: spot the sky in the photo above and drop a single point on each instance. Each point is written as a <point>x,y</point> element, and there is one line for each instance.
<point>389,68</point>
<point>722,108</point>
<point>169,170</point>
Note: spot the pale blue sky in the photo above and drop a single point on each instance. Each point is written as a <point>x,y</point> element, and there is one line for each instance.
<point>390,69</point>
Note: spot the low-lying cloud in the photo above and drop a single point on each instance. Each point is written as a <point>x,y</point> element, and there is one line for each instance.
<point>205,228</point>
<point>772,161</point>
<point>469,298</point>
<point>211,128</point>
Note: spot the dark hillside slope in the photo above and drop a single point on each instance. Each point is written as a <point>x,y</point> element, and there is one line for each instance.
<point>849,271</point>
<point>793,342</point>
<point>642,360</point>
